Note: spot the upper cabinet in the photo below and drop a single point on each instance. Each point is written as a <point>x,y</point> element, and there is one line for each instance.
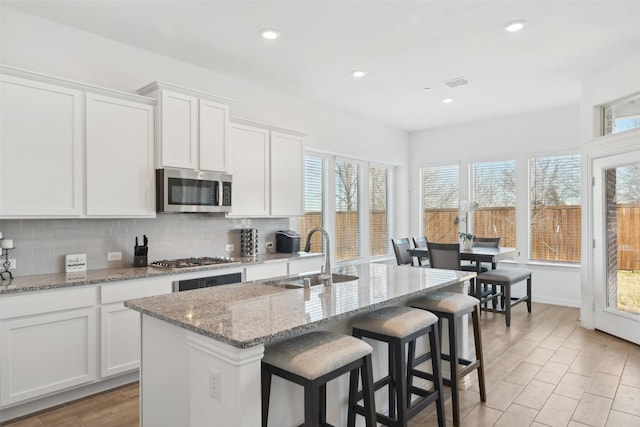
<point>192,128</point>
<point>41,145</point>
<point>120,169</point>
<point>69,149</point>
<point>267,167</point>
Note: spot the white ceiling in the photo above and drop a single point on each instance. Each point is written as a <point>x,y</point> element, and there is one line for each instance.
<point>404,45</point>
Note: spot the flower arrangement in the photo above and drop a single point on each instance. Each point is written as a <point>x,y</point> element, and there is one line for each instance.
<point>466,236</point>
<point>465,208</point>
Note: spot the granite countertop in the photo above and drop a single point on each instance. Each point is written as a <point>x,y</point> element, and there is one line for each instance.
<point>42,282</point>
<point>251,313</point>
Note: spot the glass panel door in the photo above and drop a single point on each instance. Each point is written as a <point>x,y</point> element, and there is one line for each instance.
<point>617,262</point>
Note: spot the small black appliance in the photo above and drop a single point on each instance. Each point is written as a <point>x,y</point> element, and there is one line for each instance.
<point>287,241</point>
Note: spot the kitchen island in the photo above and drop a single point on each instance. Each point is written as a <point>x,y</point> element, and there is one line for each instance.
<point>201,350</point>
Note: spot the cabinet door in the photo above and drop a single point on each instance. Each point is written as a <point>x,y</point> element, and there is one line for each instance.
<point>40,149</point>
<point>46,353</point>
<point>120,336</point>
<point>120,169</point>
<point>249,165</point>
<point>213,124</point>
<point>179,130</point>
<point>287,175</point>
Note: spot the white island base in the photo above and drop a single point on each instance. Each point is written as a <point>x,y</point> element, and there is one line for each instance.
<point>188,379</point>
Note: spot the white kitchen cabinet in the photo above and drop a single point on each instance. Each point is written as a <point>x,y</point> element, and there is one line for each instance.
<point>267,168</point>
<point>120,326</point>
<point>266,271</point>
<point>287,174</point>
<point>192,128</point>
<point>40,149</point>
<point>47,343</point>
<point>213,125</point>
<point>250,170</point>
<point>120,339</point>
<point>120,164</point>
<point>306,265</point>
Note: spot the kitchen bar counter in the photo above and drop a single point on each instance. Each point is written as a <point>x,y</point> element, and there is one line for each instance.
<point>246,314</point>
<point>42,282</point>
<point>202,349</point>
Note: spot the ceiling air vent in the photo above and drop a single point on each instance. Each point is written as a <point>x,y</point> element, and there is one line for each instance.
<point>457,82</point>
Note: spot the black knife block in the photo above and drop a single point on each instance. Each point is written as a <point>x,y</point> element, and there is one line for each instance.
<point>140,261</point>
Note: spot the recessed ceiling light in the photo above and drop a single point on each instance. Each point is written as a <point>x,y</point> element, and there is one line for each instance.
<point>269,34</point>
<point>514,26</point>
<point>426,89</point>
<point>358,74</point>
<point>447,100</point>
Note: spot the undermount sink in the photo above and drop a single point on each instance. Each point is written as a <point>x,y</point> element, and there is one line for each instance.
<point>297,282</point>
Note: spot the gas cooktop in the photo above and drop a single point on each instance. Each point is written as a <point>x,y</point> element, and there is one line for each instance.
<point>193,262</point>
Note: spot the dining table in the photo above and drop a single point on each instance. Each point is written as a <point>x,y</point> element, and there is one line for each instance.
<point>477,255</point>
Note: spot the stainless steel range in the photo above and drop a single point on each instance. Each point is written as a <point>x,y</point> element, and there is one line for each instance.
<point>200,282</point>
<point>193,262</point>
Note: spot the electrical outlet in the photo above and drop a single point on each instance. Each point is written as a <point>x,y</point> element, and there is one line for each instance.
<point>214,385</point>
<point>230,247</point>
<point>114,256</point>
<point>14,264</point>
<point>269,245</point>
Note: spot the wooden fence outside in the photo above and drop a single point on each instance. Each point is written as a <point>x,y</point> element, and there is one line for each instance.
<point>557,238</point>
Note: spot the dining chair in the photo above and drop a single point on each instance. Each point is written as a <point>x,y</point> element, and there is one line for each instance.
<point>421,242</point>
<point>489,292</point>
<point>400,246</point>
<point>444,255</point>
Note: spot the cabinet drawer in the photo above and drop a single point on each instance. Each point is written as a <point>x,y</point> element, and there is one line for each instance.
<point>46,302</point>
<point>311,265</point>
<point>122,291</point>
<point>266,271</point>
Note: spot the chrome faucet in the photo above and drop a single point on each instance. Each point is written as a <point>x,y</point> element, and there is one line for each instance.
<point>325,272</point>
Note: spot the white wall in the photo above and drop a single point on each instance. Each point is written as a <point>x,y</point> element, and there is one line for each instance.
<point>36,44</point>
<point>600,88</point>
<point>508,138</point>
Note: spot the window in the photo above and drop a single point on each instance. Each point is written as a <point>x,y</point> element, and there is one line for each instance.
<point>440,202</point>
<point>379,238</point>
<point>494,201</point>
<point>621,116</point>
<point>314,177</point>
<point>555,208</point>
<point>347,211</point>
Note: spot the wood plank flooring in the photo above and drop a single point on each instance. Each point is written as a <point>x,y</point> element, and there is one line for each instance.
<point>542,371</point>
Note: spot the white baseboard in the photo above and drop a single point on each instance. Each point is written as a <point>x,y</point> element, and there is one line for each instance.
<point>553,301</point>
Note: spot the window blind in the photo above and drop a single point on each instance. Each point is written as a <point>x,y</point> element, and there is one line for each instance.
<point>554,201</point>
<point>347,211</point>
<point>379,239</point>
<point>494,201</point>
<point>440,201</point>
<point>314,191</point>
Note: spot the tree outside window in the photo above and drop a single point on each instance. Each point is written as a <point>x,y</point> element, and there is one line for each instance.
<point>555,208</point>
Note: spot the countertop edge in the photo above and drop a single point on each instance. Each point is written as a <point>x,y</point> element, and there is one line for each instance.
<point>49,281</point>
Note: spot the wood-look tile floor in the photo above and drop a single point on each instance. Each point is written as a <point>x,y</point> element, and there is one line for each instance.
<point>542,371</point>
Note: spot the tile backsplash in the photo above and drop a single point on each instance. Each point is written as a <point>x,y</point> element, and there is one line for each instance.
<point>41,245</point>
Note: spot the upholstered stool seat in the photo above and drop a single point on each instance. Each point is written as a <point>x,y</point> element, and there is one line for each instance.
<point>505,277</point>
<point>451,306</point>
<point>314,359</point>
<point>398,326</point>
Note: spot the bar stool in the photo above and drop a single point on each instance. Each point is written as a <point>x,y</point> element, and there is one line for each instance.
<point>452,306</point>
<point>505,277</point>
<point>314,359</point>
<point>398,326</point>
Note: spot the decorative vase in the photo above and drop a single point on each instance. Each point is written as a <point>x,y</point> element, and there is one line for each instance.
<point>467,243</point>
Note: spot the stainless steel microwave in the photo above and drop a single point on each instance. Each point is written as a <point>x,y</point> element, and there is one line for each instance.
<point>179,190</point>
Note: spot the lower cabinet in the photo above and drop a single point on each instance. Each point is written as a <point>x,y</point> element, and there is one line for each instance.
<point>46,353</point>
<point>120,326</point>
<point>120,339</point>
